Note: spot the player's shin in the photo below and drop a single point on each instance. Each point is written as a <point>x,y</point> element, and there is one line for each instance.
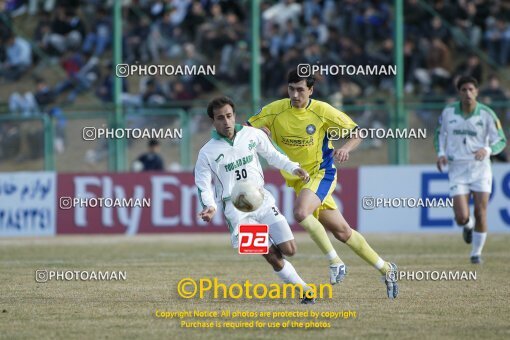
<point>361,247</point>
<point>288,274</point>
<point>320,237</point>
<point>478,243</point>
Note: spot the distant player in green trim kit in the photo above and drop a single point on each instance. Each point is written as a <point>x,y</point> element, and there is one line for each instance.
<point>468,134</point>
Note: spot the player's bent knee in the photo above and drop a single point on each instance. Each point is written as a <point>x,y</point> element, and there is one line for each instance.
<point>343,234</point>
<point>461,220</point>
<point>288,248</point>
<point>300,214</point>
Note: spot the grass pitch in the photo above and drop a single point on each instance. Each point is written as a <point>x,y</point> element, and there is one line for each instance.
<point>154,265</point>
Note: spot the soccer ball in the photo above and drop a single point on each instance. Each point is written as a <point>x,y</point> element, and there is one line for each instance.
<point>247,196</point>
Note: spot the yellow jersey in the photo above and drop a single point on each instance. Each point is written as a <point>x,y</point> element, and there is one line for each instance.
<point>303,133</point>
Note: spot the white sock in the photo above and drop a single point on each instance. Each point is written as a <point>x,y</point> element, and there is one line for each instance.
<point>478,243</point>
<point>379,264</point>
<point>332,255</point>
<point>288,274</point>
<point>470,224</point>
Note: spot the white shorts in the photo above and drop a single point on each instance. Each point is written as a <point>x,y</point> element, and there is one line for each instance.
<point>467,176</point>
<point>268,213</point>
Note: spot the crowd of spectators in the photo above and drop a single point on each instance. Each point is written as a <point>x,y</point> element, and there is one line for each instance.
<point>78,34</point>
<point>443,40</point>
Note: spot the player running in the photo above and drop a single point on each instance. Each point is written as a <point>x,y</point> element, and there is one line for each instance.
<point>232,142</point>
<point>468,133</point>
<point>302,127</point>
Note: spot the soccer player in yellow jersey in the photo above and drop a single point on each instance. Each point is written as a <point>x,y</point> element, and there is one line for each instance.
<point>302,128</point>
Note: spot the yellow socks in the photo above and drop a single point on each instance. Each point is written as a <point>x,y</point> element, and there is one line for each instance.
<point>356,242</point>
<point>361,247</point>
<point>319,236</point>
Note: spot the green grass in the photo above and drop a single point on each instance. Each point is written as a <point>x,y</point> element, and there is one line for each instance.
<point>154,265</point>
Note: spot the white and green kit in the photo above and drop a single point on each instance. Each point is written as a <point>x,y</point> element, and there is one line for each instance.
<point>458,137</point>
<point>223,162</point>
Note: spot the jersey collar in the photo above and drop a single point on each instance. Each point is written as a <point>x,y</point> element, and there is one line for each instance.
<point>476,111</point>
<point>217,136</point>
<point>304,108</point>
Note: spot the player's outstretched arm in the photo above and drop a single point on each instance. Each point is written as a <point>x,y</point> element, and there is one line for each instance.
<point>203,178</point>
<point>301,173</point>
<point>279,160</point>
<point>342,154</point>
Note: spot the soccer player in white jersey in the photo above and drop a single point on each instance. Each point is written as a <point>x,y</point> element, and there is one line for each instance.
<point>468,134</point>
<point>232,155</point>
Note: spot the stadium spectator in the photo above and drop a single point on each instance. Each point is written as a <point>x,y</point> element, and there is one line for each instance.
<point>471,67</point>
<point>179,10</point>
<point>498,41</point>
<point>167,37</point>
<point>18,58</point>
<point>198,83</point>
<point>311,9</point>
<point>104,91</point>
<point>384,56</point>
<point>151,160</point>
<point>493,91</point>
<point>346,18</point>
<point>32,103</point>
<point>232,35</point>
<point>47,6</point>
<point>15,7</point>
<point>329,12</point>
<point>82,74</point>
<point>67,30</point>
<point>272,70</point>
<point>180,92</point>
<point>282,12</point>
<point>210,33</point>
<point>372,21</point>
<point>445,10</point>
<point>241,65</point>
<point>413,60</point>
<point>290,36</point>
<point>135,41</point>
<point>146,87</point>
<point>153,94</point>
<point>436,29</point>
<point>274,41</point>
<point>318,29</point>
<point>466,31</point>
<point>414,18</point>
<point>438,62</point>
<point>99,38</point>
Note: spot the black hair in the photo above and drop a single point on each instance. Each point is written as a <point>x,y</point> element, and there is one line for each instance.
<point>466,80</point>
<point>294,77</point>
<point>153,143</point>
<point>218,103</point>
